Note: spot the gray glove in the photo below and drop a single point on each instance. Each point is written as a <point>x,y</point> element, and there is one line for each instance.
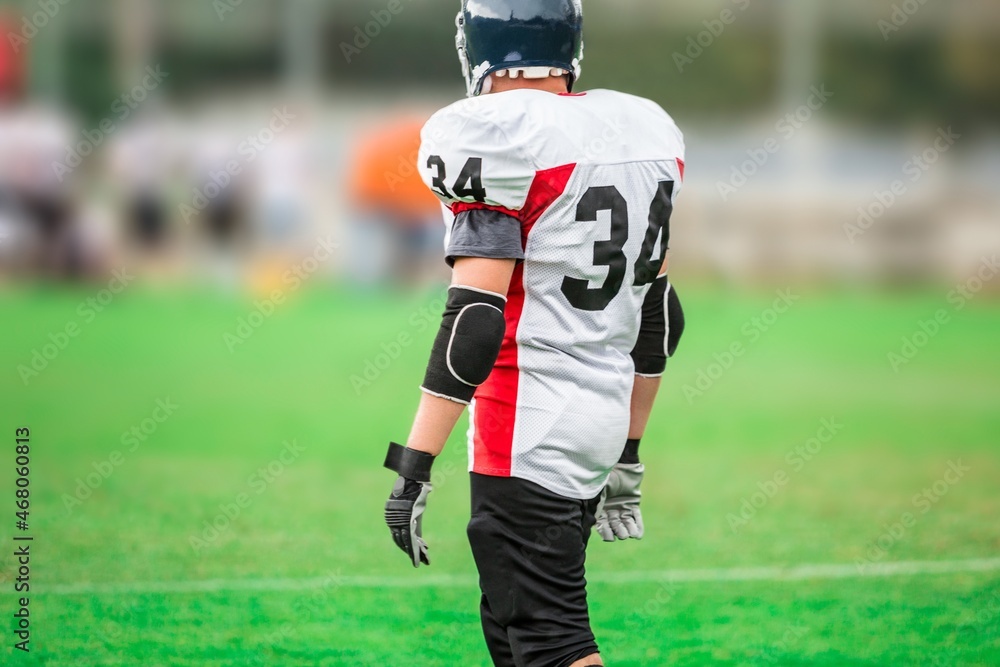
<point>404,512</point>
<point>618,514</point>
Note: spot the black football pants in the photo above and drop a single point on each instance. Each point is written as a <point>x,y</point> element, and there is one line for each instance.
<point>530,547</point>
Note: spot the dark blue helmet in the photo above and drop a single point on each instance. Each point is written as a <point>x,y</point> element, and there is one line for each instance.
<point>496,35</point>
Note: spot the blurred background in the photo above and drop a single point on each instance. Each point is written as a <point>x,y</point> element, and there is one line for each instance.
<point>119,119</point>
<point>220,276</point>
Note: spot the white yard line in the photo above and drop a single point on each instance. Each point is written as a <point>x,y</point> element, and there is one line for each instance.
<point>422,580</point>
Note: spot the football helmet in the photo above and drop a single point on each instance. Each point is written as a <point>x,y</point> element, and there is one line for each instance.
<point>531,38</point>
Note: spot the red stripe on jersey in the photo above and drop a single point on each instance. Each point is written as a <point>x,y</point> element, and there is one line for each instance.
<point>462,207</point>
<point>496,399</point>
<point>680,165</point>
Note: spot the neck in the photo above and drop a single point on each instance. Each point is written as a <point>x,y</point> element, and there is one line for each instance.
<point>552,84</point>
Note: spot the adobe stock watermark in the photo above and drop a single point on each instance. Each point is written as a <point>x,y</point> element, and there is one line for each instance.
<point>610,134</point>
<point>776,653</point>
<point>306,607</point>
<point>922,503</point>
<point>786,127</point>
<point>293,279</point>
<point>958,298</point>
<point>223,8</point>
<point>983,620</point>
<point>406,167</point>
<point>653,607</point>
<point>248,151</point>
<point>543,540</point>
<point>444,122</point>
<point>699,43</point>
<point>752,331</point>
<point>364,35</point>
<point>35,22</point>
<point>119,618</point>
<point>131,440</point>
<point>454,118</point>
<point>967,290</point>
<point>257,483</point>
<point>899,17</point>
<point>59,340</point>
<point>913,170</point>
<point>419,322</point>
<point>408,163</point>
<point>796,460</point>
<point>121,109</point>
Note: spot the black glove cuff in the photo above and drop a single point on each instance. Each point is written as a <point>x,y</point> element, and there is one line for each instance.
<point>409,463</point>
<point>631,453</point>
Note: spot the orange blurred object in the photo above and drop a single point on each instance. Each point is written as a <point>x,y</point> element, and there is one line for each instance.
<point>385,177</point>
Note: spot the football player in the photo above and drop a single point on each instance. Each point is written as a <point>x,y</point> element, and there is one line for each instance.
<point>559,321</point>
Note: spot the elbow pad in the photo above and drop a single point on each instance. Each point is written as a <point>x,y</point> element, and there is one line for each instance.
<point>660,330</point>
<point>467,345</point>
<point>675,320</point>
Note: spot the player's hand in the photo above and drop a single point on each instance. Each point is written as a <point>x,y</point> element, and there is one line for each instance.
<point>618,514</point>
<point>404,513</point>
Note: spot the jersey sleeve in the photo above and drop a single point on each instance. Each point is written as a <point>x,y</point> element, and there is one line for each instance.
<point>672,139</point>
<point>472,157</point>
<point>484,233</point>
<point>477,165</point>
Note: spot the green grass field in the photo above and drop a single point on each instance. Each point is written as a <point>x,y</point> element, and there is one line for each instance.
<point>315,518</point>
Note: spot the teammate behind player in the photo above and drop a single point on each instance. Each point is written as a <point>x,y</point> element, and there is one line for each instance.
<point>558,323</point>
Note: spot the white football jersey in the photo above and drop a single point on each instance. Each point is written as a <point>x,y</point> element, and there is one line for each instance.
<point>592,179</point>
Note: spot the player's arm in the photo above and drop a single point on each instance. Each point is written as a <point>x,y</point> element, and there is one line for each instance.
<point>662,324</point>
<point>438,414</point>
<point>483,178</point>
<point>644,393</point>
<point>461,359</point>
<point>660,332</point>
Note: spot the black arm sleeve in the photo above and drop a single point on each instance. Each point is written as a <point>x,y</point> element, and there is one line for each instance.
<point>484,233</point>
<point>660,330</point>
